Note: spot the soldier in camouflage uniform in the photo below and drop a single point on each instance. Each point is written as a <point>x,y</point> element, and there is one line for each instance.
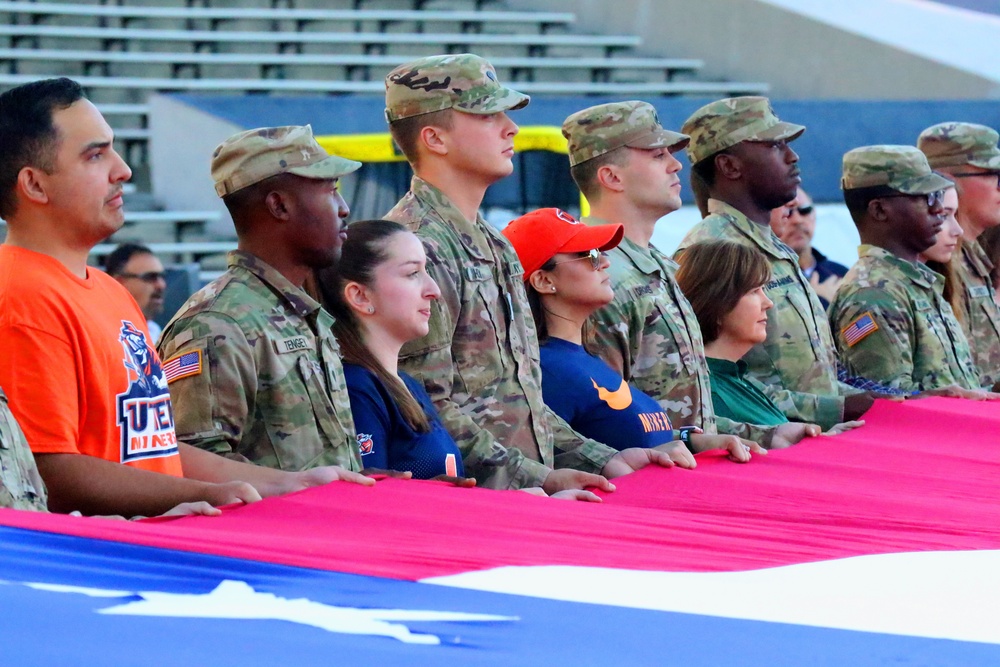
<point>21,486</point>
<point>253,366</point>
<point>622,160</point>
<point>740,152</point>
<point>968,153</point>
<point>894,325</point>
<point>479,362</point>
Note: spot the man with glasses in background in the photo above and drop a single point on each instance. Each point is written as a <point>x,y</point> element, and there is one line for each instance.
<point>968,153</point>
<point>797,232</point>
<point>891,320</point>
<point>141,273</point>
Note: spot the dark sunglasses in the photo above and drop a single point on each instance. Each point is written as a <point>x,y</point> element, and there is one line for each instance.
<point>935,198</point>
<point>595,256</point>
<point>805,210</point>
<point>148,277</point>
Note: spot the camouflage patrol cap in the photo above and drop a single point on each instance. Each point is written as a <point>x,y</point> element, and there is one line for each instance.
<point>606,127</point>
<point>902,168</point>
<point>725,123</point>
<point>458,81</point>
<point>251,156</point>
<point>960,144</point>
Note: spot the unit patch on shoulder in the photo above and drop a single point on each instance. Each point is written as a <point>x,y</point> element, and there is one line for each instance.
<point>182,365</point>
<point>859,329</point>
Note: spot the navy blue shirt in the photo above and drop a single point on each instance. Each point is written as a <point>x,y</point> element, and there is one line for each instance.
<point>597,402</point>
<point>824,268</point>
<point>385,438</point>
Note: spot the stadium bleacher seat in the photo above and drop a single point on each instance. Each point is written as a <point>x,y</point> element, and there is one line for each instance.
<point>123,51</point>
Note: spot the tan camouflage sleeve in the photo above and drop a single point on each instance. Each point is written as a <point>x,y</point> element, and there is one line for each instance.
<point>802,407</point>
<point>429,359</point>
<point>884,355</point>
<point>21,486</point>
<point>615,334</point>
<point>762,435</point>
<point>212,406</point>
<point>576,451</point>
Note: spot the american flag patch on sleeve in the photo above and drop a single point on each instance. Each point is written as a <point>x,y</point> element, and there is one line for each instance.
<point>182,366</point>
<point>859,329</point>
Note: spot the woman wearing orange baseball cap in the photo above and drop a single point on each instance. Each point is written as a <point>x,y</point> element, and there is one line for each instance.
<point>566,280</point>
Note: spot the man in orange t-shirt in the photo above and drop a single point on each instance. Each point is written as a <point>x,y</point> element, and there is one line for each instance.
<point>84,382</point>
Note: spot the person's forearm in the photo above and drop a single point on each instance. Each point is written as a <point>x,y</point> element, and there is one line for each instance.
<point>95,486</point>
<point>208,467</point>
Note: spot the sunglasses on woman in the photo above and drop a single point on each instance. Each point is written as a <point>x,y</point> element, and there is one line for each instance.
<point>595,256</point>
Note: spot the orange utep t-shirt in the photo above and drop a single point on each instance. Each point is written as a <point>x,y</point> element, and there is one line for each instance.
<point>77,365</point>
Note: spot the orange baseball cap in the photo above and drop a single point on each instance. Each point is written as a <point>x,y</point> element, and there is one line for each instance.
<point>540,235</point>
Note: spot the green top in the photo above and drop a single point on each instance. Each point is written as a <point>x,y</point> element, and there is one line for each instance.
<point>797,362</point>
<point>739,397</point>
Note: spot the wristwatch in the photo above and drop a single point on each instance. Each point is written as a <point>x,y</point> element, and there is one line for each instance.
<point>684,434</point>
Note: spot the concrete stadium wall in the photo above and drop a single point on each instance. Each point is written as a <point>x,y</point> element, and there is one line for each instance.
<point>848,49</point>
<point>186,128</point>
<point>182,138</point>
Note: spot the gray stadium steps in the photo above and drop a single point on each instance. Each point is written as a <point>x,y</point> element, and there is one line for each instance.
<point>163,226</point>
<point>668,65</point>
<point>183,253</point>
<point>41,9</point>
<point>447,40</point>
<point>377,87</point>
<point>166,229</point>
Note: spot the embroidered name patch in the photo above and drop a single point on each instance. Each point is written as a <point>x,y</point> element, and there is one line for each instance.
<point>182,366</point>
<point>475,274</point>
<point>781,282</point>
<point>979,291</point>
<point>293,344</point>
<point>859,329</point>
<point>642,290</point>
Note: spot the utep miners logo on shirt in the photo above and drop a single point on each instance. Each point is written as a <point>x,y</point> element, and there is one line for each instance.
<point>619,399</point>
<point>145,417</point>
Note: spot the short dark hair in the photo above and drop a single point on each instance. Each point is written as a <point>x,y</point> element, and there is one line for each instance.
<point>27,134</point>
<point>362,252</point>
<point>585,173</point>
<point>705,170</point>
<point>406,131</point>
<point>699,189</point>
<point>857,199</point>
<point>114,263</point>
<point>247,201</point>
<point>714,276</point>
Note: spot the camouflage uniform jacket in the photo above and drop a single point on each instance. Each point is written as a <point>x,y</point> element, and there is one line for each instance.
<point>21,486</point>
<point>650,335</point>
<point>271,386</point>
<point>916,343</point>
<point>981,320</point>
<point>479,362</point>
<point>797,362</point>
